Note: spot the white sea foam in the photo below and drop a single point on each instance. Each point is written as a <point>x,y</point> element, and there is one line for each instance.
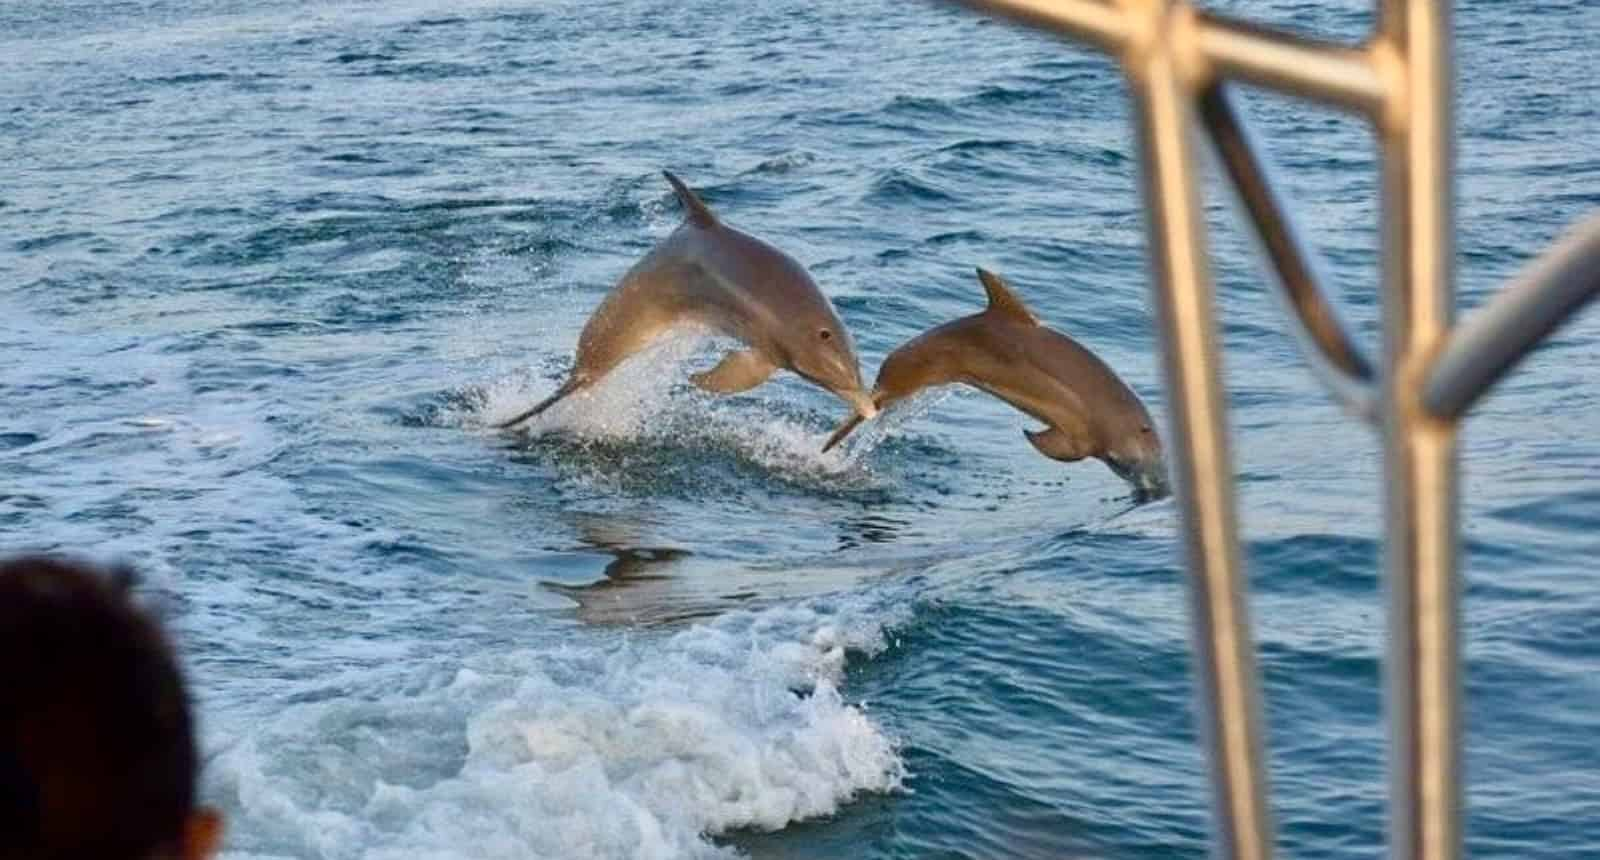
<point>602,746</point>
<point>624,404</point>
<point>892,422</point>
<point>647,400</point>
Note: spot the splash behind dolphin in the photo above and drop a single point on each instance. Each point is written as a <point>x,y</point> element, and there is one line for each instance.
<point>1005,351</point>
<point>709,274</point>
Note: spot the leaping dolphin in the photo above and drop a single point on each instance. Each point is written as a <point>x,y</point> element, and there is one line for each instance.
<point>710,274</point>
<point>1006,352</point>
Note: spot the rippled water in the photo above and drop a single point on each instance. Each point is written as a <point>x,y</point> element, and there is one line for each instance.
<point>268,270</point>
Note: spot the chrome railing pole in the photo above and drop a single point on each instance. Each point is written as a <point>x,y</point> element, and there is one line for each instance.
<point>1224,651</point>
<point>1094,21</point>
<point>1177,57</point>
<point>1335,75</point>
<point>1301,275</point>
<point>1489,343</point>
<point>1419,452</point>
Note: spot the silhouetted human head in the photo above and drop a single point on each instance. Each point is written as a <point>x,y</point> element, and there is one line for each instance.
<point>97,750</point>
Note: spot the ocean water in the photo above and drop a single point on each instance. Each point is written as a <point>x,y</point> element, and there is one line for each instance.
<point>268,271</point>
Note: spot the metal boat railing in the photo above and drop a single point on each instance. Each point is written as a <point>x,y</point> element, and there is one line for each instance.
<point>1181,62</point>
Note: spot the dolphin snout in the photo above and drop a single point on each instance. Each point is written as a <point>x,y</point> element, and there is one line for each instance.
<point>1148,475</point>
<point>864,404</point>
<point>1152,479</point>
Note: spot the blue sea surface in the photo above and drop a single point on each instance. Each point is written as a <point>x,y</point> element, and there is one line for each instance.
<point>268,271</point>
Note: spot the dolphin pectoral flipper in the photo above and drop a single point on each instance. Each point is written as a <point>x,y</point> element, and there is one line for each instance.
<point>1058,444</point>
<point>738,371</point>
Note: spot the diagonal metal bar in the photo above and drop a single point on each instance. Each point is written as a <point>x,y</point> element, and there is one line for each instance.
<point>1333,352</point>
<point>1338,75</point>
<point>1224,651</point>
<point>1104,26</point>
<point>1325,72</point>
<point>1493,340</point>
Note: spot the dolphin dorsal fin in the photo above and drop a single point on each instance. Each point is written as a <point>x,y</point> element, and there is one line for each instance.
<point>1001,300</point>
<point>699,214</point>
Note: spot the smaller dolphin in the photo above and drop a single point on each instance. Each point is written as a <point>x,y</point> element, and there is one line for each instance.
<point>709,274</point>
<point>1006,352</point>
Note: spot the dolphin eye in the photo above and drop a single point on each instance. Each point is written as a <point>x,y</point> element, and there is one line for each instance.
<point>1144,428</point>
<point>825,334</point>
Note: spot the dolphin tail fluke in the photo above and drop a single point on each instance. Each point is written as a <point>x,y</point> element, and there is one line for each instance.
<point>699,214</point>
<point>844,430</point>
<point>568,387</point>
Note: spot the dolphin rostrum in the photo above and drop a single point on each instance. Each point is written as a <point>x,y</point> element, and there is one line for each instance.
<point>1006,351</point>
<point>709,274</point>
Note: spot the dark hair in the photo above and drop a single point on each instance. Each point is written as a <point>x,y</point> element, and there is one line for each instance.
<point>97,753</point>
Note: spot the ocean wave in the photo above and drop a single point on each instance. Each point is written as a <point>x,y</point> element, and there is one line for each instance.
<point>626,747</point>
